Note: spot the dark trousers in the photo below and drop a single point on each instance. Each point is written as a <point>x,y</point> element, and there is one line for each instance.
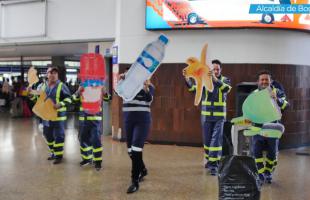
<point>213,140</point>
<point>136,133</point>
<point>90,141</point>
<point>54,134</point>
<point>270,145</point>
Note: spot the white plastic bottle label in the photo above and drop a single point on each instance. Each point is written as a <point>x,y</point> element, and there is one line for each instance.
<point>148,61</point>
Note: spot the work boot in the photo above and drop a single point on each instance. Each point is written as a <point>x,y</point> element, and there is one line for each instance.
<point>133,187</point>
<point>268,177</point>
<point>51,157</point>
<point>85,163</point>
<point>98,166</point>
<point>213,171</point>
<point>261,179</point>
<point>57,161</point>
<point>142,174</point>
<point>207,165</point>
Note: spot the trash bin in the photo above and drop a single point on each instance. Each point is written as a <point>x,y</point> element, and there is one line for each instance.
<point>243,90</point>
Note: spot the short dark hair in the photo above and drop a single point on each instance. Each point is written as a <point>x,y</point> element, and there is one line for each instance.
<point>54,69</point>
<point>264,72</point>
<point>216,61</point>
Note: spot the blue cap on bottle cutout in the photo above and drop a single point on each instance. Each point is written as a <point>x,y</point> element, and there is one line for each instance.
<point>163,38</point>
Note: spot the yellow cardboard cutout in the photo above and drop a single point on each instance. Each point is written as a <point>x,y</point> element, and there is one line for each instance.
<point>32,76</point>
<point>198,70</point>
<point>44,108</point>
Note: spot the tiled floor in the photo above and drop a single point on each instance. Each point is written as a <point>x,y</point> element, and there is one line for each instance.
<point>174,172</point>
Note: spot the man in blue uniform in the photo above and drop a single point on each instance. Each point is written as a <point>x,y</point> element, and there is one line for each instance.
<point>213,115</point>
<point>90,131</point>
<point>54,131</point>
<point>267,165</point>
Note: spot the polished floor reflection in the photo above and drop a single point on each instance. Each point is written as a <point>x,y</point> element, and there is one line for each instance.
<point>174,172</point>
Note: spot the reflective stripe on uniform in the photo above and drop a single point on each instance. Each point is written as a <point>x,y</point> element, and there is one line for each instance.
<point>59,144</point>
<point>259,160</point>
<point>106,98</point>
<point>284,105</point>
<point>137,102</point>
<point>61,118</point>
<point>220,103</point>
<point>261,171</point>
<point>206,113</point>
<point>192,88</point>
<point>98,150</point>
<point>58,92</point>
<point>62,109</point>
<point>213,159</point>
<point>58,153</point>
<point>86,149</point>
<point>206,103</point>
<point>216,114</point>
<point>75,98</point>
<point>136,148</point>
<point>219,114</point>
<point>93,118</point>
<point>67,100</point>
<point>97,159</point>
<point>90,118</point>
<point>87,157</point>
<point>215,148</point>
<point>49,143</point>
<point>270,162</point>
<point>128,109</point>
<point>82,109</point>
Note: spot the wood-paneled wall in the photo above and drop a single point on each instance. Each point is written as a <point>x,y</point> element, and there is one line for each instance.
<point>177,120</point>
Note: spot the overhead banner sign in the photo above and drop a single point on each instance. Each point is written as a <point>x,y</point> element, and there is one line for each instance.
<point>195,14</point>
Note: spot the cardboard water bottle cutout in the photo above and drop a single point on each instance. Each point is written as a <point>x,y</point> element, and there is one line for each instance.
<point>260,108</point>
<point>142,70</point>
<point>92,75</point>
<point>199,70</point>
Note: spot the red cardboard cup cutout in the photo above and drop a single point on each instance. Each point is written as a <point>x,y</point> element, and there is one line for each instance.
<point>92,75</point>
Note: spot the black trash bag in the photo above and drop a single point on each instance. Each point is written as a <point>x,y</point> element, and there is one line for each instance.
<point>238,179</point>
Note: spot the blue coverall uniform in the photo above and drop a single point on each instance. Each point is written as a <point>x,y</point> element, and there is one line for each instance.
<point>260,144</point>
<point>90,131</point>
<point>213,115</point>
<point>54,131</point>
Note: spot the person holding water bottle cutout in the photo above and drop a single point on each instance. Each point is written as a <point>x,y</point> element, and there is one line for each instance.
<point>137,123</point>
<point>137,92</point>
